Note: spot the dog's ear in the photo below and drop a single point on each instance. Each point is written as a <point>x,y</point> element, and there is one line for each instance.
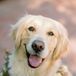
<point>62,45</point>
<point>17,35</point>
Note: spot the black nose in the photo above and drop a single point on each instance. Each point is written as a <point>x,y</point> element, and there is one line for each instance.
<point>38,46</point>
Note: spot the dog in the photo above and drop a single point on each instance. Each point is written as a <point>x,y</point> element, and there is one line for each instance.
<point>40,45</point>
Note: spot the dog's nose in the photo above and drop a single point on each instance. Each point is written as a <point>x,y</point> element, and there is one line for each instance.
<point>38,46</point>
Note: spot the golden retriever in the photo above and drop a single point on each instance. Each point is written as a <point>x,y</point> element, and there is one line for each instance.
<point>40,43</point>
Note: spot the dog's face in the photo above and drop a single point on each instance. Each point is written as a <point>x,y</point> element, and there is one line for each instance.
<point>42,38</point>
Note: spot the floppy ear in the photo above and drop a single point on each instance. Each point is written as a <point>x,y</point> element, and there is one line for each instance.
<point>17,35</point>
<point>62,45</point>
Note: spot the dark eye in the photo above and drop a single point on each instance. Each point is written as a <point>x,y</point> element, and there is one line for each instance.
<point>31,28</point>
<point>50,33</point>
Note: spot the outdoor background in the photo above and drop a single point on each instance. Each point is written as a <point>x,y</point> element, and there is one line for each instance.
<point>60,10</point>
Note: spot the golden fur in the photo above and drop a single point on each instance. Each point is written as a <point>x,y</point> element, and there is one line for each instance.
<point>56,46</point>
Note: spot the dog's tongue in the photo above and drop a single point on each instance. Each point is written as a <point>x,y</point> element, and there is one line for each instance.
<point>34,61</point>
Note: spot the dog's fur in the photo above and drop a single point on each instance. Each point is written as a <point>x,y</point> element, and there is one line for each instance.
<point>56,46</point>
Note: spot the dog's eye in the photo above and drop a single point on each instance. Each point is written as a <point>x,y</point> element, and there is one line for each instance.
<point>50,33</point>
<point>31,28</point>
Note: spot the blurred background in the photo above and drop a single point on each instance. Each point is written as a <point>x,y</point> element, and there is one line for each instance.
<point>63,11</point>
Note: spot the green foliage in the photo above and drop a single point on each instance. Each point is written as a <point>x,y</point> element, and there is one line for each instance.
<point>6,69</point>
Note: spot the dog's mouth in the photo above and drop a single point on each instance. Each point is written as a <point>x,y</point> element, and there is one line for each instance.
<point>34,61</point>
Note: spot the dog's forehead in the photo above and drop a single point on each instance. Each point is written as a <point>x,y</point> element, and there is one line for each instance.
<point>42,21</point>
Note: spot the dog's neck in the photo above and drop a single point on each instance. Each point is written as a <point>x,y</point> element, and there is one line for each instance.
<point>19,67</point>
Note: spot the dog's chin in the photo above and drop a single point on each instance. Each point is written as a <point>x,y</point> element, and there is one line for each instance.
<point>34,61</point>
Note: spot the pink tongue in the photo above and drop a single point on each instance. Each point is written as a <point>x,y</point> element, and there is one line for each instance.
<point>35,61</point>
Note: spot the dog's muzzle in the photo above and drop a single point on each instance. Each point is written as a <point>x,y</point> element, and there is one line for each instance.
<point>35,60</point>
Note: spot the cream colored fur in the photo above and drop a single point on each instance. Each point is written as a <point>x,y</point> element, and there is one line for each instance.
<point>55,49</point>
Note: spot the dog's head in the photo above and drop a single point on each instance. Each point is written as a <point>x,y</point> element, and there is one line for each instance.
<point>40,38</point>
